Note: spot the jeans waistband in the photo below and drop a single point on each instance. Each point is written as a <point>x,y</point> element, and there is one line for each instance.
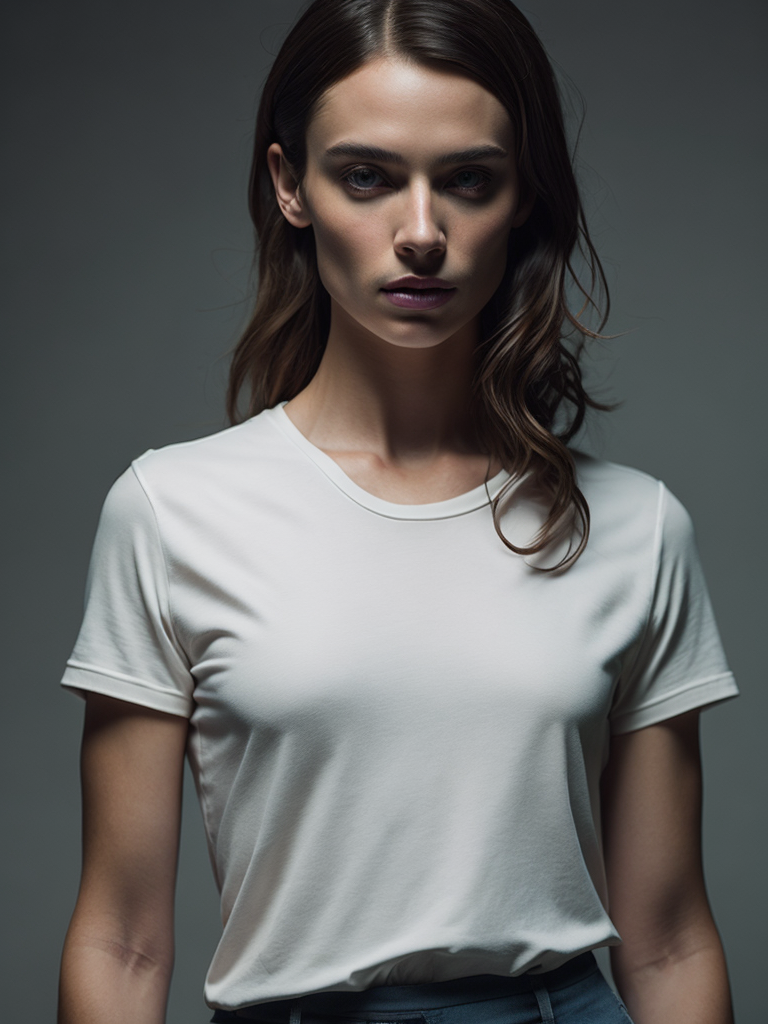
<point>422,996</point>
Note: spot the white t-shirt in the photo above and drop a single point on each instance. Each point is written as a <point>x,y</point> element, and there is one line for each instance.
<point>397,726</point>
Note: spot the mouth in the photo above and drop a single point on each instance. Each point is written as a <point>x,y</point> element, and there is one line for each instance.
<point>418,298</point>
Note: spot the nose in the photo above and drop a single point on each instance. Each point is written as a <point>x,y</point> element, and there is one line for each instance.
<point>418,231</point>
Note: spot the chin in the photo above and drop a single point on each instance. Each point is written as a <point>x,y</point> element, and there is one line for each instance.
<point>416,342</point>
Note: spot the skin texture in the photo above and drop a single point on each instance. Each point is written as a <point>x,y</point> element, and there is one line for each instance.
<point>390,403</point>
<point>118,953</point>
<point>670,967</point>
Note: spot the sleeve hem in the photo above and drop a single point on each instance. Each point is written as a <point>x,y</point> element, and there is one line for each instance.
<point>81,679</point>
<point>702,693</point>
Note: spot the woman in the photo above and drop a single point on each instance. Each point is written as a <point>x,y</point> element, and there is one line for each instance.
<point>437,674</point>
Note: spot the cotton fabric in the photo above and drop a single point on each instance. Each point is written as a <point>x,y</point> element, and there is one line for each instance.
<point>575,993</point>
<point>397,724</point>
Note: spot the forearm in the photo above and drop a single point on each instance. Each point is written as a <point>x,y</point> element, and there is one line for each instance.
<point>691,989</point>
<point>104,981</point>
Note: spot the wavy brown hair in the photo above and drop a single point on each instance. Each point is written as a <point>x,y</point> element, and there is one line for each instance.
<point>527,386</point>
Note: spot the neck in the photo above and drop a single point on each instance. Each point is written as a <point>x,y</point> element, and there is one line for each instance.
<point>406,405</point>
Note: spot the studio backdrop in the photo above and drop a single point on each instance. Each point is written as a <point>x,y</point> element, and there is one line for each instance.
<point>126,277</point>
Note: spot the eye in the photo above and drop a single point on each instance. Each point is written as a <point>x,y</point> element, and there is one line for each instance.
<point>365,175</point>
<point>361,172</point>
<point>480,186</point>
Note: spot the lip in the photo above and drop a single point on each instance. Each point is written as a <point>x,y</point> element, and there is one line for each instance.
<point>419,298</point>
<point>412,292</point>
<point>410,282</point>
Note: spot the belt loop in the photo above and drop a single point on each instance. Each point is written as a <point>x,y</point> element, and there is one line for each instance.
<point>542,998</point>
<point>295,1017</point>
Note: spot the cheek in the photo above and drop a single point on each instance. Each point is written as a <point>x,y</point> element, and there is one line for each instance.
<point>491,230</point>
<point>486,247</point>
<point>347,247</point>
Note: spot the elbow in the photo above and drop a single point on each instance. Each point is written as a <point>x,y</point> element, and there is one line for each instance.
<point>662,945</point>
<point>137,944</point>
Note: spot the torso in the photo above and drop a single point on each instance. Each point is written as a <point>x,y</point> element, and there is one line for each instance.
<point>368,685</point>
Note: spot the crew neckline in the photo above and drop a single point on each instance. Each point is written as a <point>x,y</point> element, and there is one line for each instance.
<point>459,505</point>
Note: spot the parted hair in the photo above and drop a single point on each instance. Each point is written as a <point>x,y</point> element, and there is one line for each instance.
<point>527,386</point>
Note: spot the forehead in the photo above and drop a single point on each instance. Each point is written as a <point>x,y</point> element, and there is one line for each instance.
<point>401,105</point>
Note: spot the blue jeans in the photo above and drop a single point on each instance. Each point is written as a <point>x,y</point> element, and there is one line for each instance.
<point>576,993</point>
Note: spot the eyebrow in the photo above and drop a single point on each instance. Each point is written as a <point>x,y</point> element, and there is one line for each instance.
<point>361,152</point>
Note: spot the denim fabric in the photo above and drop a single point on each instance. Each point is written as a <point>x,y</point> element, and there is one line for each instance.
<point>576,993</point>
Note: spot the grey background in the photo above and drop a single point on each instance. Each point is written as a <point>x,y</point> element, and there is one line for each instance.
<point>127,247</point>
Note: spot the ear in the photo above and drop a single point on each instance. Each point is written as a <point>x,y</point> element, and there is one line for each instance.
<point>525,203</point>
<point>286,188</point>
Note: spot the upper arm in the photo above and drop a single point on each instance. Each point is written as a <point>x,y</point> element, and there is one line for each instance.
<point>132,772</point>
<point>651,794</point>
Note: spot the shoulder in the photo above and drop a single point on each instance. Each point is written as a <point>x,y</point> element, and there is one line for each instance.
<point>194,469</point>
<point>194,482</point>
<point>631,503</point>
<point>610,483</point>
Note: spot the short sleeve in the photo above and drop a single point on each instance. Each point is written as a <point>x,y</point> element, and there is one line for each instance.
<point>126,646</point>
<point>679,663</point>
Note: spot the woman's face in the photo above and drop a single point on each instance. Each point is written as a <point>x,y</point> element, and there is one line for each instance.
<point>424,205</point>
